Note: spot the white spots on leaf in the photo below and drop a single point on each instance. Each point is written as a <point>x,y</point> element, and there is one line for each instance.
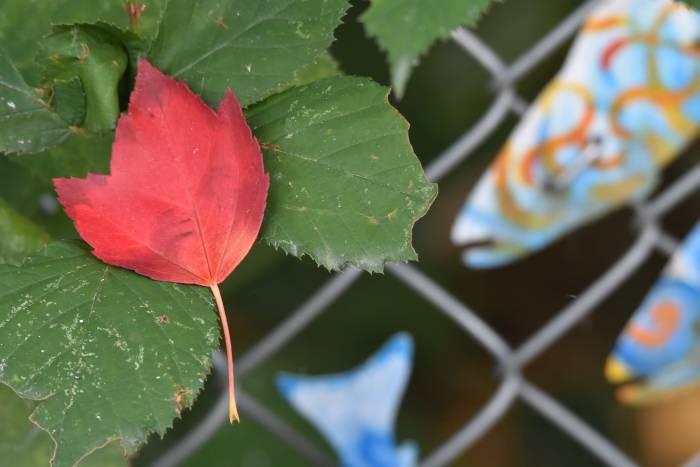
<point>11,105</point>
<point>299,31</point>
<point>198,319</point>
<point>75,347</point>
<point>79,285</point>
<point>138,360</point>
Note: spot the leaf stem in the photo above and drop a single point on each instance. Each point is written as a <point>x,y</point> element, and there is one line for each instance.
<point>232,410</point>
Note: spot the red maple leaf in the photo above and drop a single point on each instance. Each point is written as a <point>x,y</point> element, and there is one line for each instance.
<point>186,195</point>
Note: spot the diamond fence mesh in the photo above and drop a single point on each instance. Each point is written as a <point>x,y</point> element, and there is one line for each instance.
<point>510,361</point>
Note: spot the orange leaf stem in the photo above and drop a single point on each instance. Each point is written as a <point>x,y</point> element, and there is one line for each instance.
<point>232,410</point>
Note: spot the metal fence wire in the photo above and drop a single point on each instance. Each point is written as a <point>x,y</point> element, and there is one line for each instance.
<point>511,361</point>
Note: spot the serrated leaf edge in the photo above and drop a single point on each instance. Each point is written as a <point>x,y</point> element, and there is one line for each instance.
<point>50,395</point>
<point>374,266</point>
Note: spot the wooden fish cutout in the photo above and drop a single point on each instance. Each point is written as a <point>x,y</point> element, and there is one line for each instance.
<point>625,104</point>
<point>660,347</point>
<point>356,411</point>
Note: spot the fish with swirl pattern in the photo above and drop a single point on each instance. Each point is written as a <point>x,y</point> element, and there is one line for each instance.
<point>658,353</point>
<point>625,104</point>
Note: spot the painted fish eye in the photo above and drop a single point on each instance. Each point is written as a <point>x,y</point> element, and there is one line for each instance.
<point>594,140</point>
<point>590,155</point>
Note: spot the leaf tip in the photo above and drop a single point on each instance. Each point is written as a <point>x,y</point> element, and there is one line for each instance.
<point>144,66</point>
<point>229,108</point>
<point>150,81</point>
<point>400,74</point>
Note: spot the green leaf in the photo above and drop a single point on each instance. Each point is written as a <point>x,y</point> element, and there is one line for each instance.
<point>27,446</point>
<point>34,198</point>
<point>81,153</point>
<point>19,439</point>
<point>111,354</point>
<point>18,235</point>
<point>345,185</point>
<point>692,3</point>
<point>325,66</point>
<point>253,47</point>
<point>134,45</point>
<point>405,29</point>
<point>69,101</point>
<point>92,54</point>
<point>26,124</point>
<point>21,189</point>
<point>24,22</point>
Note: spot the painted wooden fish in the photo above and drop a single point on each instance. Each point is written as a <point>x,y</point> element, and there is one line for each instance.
<point>660,346</point>
<point>356,411</point>
<point>625,104</point>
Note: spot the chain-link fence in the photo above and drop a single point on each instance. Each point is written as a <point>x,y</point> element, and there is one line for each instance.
<point>511,361</point>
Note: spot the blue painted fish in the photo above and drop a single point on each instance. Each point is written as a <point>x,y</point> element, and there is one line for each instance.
<point>356,411</point>
<point>625,104</point>
<point>660,347</point>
